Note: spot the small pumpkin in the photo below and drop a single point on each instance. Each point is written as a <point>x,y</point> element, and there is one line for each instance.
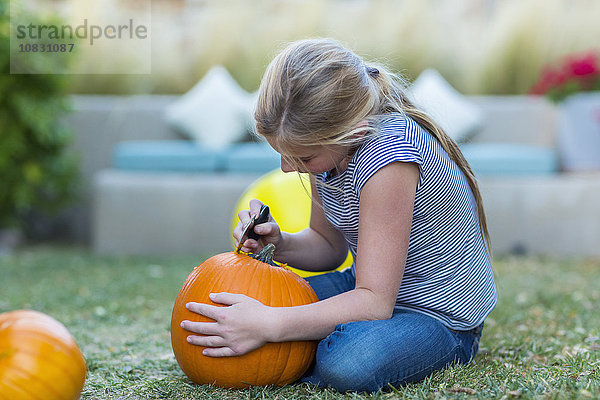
<point>256,276</point>
<point>39,358</point>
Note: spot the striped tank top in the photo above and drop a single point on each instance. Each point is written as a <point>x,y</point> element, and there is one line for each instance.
<point>448,274</point>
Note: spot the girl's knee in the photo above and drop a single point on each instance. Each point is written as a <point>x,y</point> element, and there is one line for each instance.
<point>345,376</point>
<point>345,365</point>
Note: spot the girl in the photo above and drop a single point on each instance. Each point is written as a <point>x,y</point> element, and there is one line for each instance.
<point>392,187</point>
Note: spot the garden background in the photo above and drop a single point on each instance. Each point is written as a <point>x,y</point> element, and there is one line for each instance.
<point>542,341</point>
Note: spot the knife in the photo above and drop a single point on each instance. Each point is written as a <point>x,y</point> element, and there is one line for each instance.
<point>248,231</point>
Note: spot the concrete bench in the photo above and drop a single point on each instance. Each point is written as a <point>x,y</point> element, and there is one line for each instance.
<point>165,213</point>
<point>158,213</point>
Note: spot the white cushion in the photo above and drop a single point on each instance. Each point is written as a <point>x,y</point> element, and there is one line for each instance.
<point>458,116</point>
<point>215,112</point>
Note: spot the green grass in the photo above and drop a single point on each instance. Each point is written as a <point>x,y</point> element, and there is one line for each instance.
<point>541,341</point>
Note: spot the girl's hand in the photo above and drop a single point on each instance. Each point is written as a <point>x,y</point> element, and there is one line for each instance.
<point>241,327</point>
<point>269,231</point>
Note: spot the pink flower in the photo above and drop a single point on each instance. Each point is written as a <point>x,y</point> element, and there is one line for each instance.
<point>575,73</point>
<point>588,65</point>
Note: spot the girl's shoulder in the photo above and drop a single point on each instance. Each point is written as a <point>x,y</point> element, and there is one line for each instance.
<point>397,123</point>
<point>393,132</point>
<point>392,123</point>
<point>393,141</point>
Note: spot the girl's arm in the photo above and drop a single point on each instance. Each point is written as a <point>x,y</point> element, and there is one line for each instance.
<point>386,206</point>
<point>320,247</point>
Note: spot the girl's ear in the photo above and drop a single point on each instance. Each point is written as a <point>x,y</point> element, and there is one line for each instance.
<point>363,124</point>
<point>361,128</point>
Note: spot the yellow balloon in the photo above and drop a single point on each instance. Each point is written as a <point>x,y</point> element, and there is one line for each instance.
<point>288,198</point>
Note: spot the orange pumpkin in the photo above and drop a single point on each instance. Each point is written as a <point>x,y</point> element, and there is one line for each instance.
<point>39,359</point>
<point>256,276</point>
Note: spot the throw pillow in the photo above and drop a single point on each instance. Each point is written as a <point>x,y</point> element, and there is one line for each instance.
<point>458,116</point>
<point>215,112</point>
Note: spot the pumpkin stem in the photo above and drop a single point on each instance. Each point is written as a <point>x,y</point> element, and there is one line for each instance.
<point>265,255</point>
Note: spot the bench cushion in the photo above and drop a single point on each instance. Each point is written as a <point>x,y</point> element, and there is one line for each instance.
<point>251,158</point>
<point>510,159</point>
<point>166,156</point>
<point>188,156</point>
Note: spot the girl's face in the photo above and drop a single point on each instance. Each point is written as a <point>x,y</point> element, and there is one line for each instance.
<point>316,159</point>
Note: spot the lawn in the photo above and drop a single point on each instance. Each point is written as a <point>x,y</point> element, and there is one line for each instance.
<point>541,341</point>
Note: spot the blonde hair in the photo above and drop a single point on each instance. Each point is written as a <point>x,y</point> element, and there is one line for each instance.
<point>316,92</point>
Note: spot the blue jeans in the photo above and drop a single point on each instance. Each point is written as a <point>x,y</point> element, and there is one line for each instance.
<point>366,356</point>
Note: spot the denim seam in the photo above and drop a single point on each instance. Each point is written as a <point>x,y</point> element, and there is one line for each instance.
<point>474,348</point>
<point>476,335</point>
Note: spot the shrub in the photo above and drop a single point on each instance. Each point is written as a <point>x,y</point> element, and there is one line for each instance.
<point>36,173</point>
